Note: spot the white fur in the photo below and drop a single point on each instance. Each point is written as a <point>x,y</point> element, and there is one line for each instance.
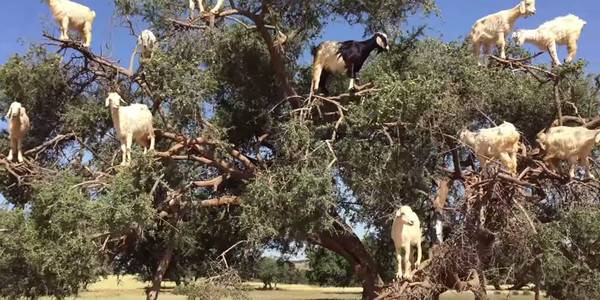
<point>18,126</point>
<point>406,232</point>
<point>71,15</point>
<point>133,122</point>
<point>573,144</point>
<point>562,31</point>
<point>493,29</point>
<point>214,10</point>
<point>501,142</point>
<point>147,43</point>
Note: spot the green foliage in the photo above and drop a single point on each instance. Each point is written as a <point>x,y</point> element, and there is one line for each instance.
<point>219,84</point>
<point>128,202</point>
<point>375,18</point>
<point>428,92</point>
<point>288,203</point>
<point>247,88</point>
<point>272,271</point>
<point>571,262</point>
<point>48,250</point>
<point>328,268</point>
<point>37,80</point>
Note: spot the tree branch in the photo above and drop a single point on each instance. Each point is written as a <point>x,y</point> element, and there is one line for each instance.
<point>221,201</point>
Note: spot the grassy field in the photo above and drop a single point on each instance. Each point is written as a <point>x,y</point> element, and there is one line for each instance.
<point>128,288</point>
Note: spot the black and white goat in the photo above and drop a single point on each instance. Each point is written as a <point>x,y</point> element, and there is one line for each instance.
<point>331,58</point>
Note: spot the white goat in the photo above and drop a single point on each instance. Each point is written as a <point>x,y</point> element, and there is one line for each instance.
<point>406,232</point>
<point>214,10</point>
<point>562,30</point>
<point>501,142</point>
<point>133,122</point>
<point>71,15</point>
<point>147,43</point>
<point>18,126</point>
<point>493,29</point>
<point>573,144</point>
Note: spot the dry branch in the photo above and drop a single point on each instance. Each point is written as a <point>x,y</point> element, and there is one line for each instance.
<point>52,142</point>
<point>518,64</point>
<point>221,201</point>
<point>89,55</point>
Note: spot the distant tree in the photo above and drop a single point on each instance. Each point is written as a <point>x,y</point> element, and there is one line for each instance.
<point>328,268</point>
<point>272,271</point>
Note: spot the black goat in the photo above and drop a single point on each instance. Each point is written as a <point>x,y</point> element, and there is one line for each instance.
<point>332,58</point>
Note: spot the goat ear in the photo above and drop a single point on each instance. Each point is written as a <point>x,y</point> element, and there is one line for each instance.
<point>22,111</point>
<point>107,102</point>
<point>522,8</point>
<point>9,111</point>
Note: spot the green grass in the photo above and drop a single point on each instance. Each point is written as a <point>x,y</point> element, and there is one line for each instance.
<point>128,288</point>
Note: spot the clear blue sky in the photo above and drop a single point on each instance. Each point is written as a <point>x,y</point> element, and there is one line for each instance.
<point>23,21</point>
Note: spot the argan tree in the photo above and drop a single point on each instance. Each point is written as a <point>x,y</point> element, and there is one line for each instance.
<point>246,160</point>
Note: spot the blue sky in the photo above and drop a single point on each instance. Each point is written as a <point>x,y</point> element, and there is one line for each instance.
<point>23,21</point>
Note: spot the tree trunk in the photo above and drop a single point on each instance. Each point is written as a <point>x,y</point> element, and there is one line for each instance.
<point>277,63</point>
<point>480,291</point>
<point>342,239</point>
<point>344,242</point>
<point>160,273</point>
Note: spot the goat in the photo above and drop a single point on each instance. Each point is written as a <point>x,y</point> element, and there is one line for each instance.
<point>71,15</point>
<point>348,57</point>
<point>406,232</point>
<point>501,142</point>
<point>147,43</point>
<point>493,29</point>
<point>562,30</point>
<point>214,10</point>
<point>18,126</point>
<point>573,144</point>
<point>133,122</point>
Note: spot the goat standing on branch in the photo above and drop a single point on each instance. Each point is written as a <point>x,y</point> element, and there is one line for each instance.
<point>214,10</point>
<point>501,142</point>
<point>406,232</point>
<point>331,58</point>
<point>71,15</point>
<point>562,30</point>
<point>147,42</point>
<point>573,144</point>
<point>133,122</point>
<point>146,45</point>
<point>493,29</point>
<point>18,126</point>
